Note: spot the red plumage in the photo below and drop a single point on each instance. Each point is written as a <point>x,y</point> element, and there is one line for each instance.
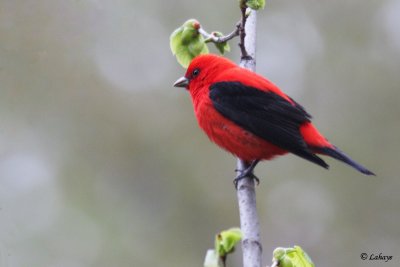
<point>249,116</point>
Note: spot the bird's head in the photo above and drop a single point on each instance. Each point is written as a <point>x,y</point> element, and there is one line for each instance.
<point>203,71</point>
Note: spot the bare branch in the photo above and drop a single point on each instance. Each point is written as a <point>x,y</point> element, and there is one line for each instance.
<point>242,33</point>
<point>215,39</point>
<point>249,222</point>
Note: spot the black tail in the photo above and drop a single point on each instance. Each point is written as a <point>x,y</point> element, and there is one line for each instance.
<point>308,155</point>
<point>335,152</point>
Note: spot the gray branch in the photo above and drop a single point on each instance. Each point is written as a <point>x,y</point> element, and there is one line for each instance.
<point>215,39</point>
<point>249,223</point>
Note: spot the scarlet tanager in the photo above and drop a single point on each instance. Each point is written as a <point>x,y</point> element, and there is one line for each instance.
<point>249,116</point>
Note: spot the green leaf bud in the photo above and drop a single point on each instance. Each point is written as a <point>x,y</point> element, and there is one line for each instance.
<point>222,47</point>
<point>225,241</point>
<point>256,4</point>
<point>186,42</point>
<point>292,257</point>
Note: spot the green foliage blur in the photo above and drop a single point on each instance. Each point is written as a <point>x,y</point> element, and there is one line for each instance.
<point>102,162</point>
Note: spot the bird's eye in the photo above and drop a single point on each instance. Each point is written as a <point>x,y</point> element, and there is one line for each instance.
<point>195,72</point>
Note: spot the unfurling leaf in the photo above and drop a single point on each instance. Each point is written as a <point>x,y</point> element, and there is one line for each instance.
<point>226,240</point>
<point>222,47</point>
<point>255,4</point>
<point>186,42</point>
<point>292,257</point>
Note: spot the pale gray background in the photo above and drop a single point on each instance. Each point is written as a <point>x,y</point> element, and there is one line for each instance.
<point>102,162</point>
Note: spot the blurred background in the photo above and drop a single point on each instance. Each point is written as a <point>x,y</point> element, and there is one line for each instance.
<point>102,162</point>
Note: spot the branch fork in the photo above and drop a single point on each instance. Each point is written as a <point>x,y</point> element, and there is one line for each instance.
<point>220,39</point>
<point>238,31</point>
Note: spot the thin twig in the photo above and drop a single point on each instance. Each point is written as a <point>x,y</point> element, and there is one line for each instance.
<point>238,31</point>
<point>215,39</point>
<point>242,33</point>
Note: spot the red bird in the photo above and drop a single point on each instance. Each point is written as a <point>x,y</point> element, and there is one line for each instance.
<point>249,116</point>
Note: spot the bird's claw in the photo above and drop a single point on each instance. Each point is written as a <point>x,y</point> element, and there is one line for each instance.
<point>244,174</point>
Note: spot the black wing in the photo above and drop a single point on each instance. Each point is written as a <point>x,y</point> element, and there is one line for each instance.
<point>265,114</point>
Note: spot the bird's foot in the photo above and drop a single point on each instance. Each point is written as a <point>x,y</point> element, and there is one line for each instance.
<point>244,175</point>
<point>248,172</point>
<point>246,57</point>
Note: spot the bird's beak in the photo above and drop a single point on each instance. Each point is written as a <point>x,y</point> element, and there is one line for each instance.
<point>182,82</point>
